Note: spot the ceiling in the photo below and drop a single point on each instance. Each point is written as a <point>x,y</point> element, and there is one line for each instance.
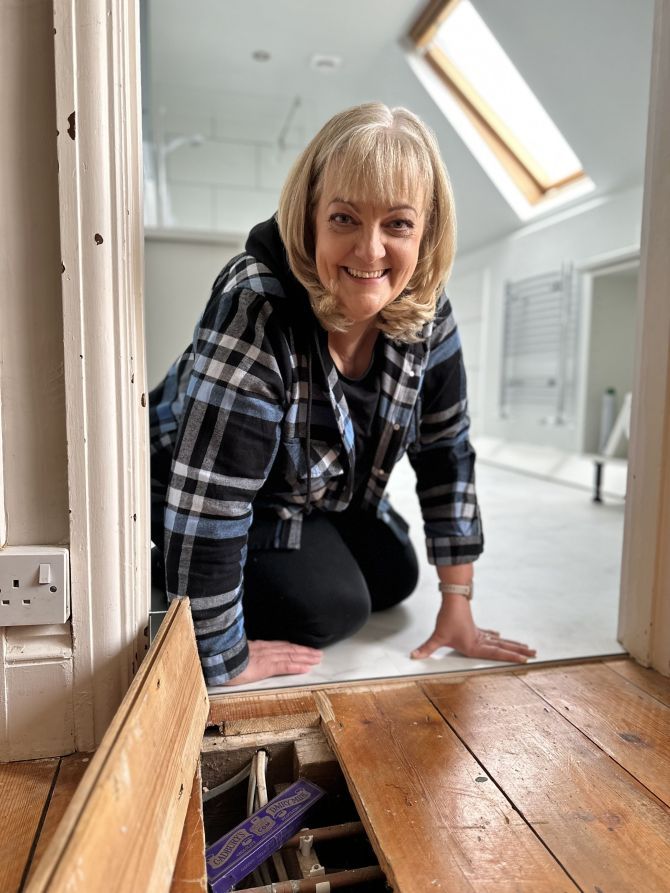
<point>588,61</point>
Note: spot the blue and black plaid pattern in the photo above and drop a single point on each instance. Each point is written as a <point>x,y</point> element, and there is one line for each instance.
<point>228,431</point>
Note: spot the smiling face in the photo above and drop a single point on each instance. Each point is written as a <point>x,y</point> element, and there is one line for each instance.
<point>365,252</point>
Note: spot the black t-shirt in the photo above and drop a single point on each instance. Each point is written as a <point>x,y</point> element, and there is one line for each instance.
<point>362,396</point>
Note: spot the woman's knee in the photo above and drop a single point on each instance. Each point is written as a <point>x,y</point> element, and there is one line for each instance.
<point>339,613</point>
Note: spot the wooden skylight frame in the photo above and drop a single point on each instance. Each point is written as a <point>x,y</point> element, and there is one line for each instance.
<point>517,162</point>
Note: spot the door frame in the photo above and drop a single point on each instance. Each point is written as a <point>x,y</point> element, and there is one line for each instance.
<point>100,187</point>
<point>99,112</point>
<point>644,606</point>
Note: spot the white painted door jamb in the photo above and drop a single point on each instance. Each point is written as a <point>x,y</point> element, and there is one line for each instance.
<point>100,191</point>
<point>644,609</point>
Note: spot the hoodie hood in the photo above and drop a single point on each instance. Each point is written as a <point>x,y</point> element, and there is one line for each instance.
<point>265,244</point>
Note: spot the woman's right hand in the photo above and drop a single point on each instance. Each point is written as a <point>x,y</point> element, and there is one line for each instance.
<point>268,659</point>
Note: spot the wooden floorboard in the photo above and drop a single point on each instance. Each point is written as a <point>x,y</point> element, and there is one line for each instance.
<point>259,713</point>
<point>540,779</point>
<point>624,721</point>
<point>123,827</point>
<point>601,825</point>
<point>190,873</point>
<point>70,773</point>
<point>648,680</point>
<point>436,820</point>
<point>24,793</point>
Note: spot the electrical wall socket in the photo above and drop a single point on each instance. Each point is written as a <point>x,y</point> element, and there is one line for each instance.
<point>34,585</point>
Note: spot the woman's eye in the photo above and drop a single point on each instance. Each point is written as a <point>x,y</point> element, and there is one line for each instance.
<point>401,224</point>
<point>340,218</point>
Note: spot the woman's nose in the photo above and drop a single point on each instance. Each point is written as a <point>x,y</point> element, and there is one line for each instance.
<point>370,244</point>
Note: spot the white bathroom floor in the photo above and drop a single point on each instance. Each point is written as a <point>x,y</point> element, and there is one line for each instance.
<point>549,576</point>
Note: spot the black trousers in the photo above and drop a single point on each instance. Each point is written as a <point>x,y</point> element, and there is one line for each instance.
<point>349,564</point>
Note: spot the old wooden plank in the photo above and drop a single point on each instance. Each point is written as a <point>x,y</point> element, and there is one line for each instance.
<point>649,680</point>
<point>24,793</point>
<point>190,871</point>
<point>627,723</point>
<point>70,773</point>
<point>600,823</point>
<point>314,760</point>
<point>123,826</point>
<point>435,819</point>
<point>262,713</point>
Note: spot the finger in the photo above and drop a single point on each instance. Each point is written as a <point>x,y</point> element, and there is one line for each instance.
<point>497,639</point>
<point>289,657</point>
<point>291,666</point>
<point>262,646</point>
<point>494,652</point>
<point>274,644</point>
<point>512,642</point>
<point>429,647</point>
<point>511,645</point>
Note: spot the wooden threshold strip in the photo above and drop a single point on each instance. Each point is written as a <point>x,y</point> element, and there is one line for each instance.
<point>123,826</point>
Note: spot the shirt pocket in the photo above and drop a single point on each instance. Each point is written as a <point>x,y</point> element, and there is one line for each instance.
<point>325,463</point>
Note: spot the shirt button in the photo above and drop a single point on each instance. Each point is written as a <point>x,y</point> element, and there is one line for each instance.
<point>396,427</point>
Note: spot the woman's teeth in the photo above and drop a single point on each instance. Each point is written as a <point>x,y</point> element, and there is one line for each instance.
<point>361,274</point>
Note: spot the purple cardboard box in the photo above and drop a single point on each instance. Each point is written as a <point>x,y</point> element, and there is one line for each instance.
<point>254,840</point>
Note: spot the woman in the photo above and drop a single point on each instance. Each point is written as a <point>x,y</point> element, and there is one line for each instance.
<point>326,351</point>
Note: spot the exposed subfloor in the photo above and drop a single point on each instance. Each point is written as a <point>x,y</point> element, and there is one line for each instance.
<point>549,576</point>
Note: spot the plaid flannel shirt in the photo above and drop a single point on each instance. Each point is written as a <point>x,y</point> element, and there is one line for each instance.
<point>228,432</point>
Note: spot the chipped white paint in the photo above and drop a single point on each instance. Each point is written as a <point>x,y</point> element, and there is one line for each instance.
<point>99,154</point>
<point>644,615</point>
<point>36,716</point>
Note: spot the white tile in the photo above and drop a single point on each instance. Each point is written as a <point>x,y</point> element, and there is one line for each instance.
<point>214,164</point>
<point>273,166</point>
<point>238,210</point>
<point>192,207</point>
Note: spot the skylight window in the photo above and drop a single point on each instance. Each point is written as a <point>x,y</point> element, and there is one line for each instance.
<point>496,103</point>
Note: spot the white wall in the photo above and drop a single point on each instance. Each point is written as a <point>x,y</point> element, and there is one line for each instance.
<point>179,271</point>
<point>611,348</point>
<point>35,661</point>
<point>597,227</point>
<point>469,294</point>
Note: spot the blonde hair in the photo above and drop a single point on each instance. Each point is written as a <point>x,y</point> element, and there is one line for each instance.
<point>375,154</point>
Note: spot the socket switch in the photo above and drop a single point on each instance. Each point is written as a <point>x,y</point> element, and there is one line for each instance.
<point>34,585</point>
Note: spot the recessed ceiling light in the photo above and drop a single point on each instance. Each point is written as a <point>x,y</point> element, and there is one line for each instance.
<point>260,55</point>
<point>321,62</point>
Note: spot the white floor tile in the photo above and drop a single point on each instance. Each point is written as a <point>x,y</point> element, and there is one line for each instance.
<point>549,576</point>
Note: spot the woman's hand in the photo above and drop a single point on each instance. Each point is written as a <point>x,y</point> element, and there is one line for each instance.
<point>455,628</point>
<point>268,659</point>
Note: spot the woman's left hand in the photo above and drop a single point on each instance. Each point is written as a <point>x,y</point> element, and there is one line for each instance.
<point>455,628</point>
